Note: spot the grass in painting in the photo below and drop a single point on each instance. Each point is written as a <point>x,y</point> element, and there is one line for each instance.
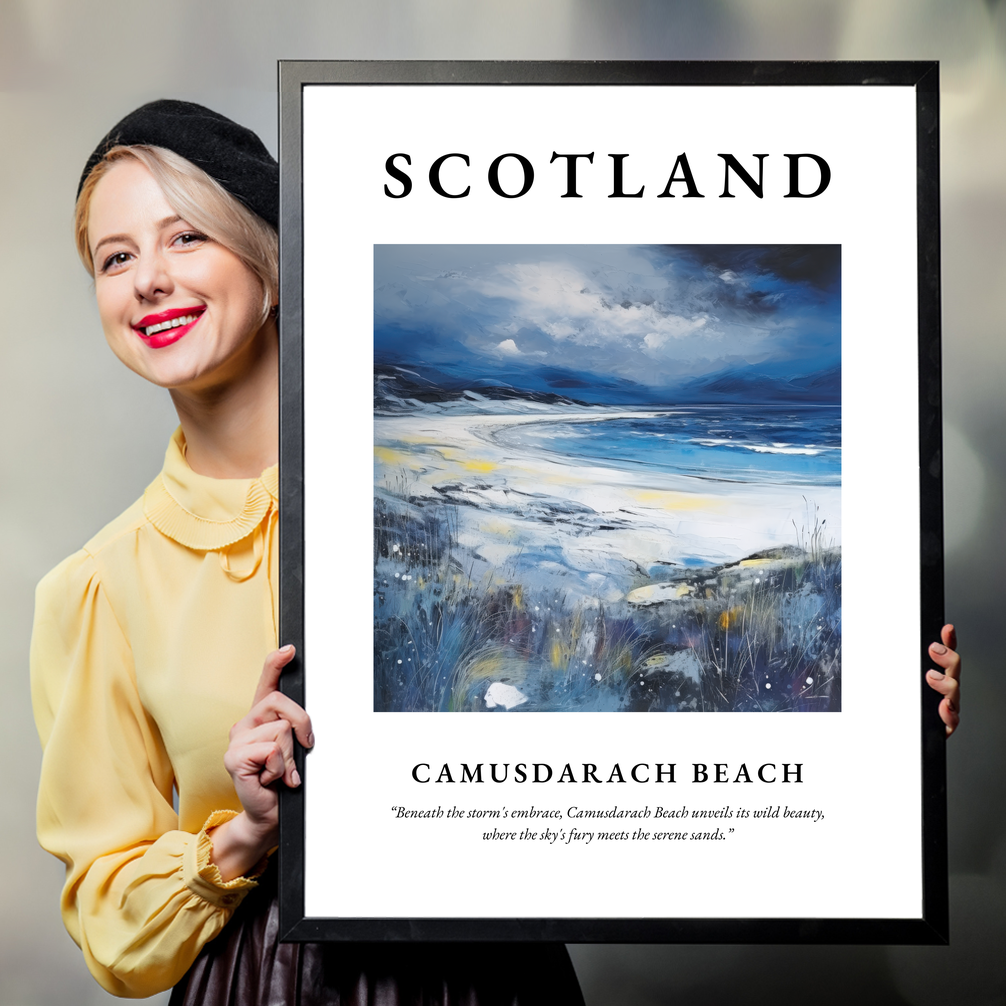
<point>453,633</point>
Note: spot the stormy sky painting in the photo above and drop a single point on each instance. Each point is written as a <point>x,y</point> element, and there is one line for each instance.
<point>607,478</point>
<point>614,324</point>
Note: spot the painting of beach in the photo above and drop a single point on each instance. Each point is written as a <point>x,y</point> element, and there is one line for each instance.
<point>607,478</point>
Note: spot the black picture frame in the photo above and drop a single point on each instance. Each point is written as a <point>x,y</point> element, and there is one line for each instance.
<point>931,924</point>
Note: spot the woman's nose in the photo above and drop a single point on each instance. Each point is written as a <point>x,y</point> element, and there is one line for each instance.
<point>152,277</point>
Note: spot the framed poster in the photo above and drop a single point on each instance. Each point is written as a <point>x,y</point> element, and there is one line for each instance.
<point>612,391</point>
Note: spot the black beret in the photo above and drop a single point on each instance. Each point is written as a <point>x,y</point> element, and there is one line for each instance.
<point>231,154</point>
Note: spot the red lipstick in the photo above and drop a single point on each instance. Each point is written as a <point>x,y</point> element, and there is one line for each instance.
<point>166,327</point>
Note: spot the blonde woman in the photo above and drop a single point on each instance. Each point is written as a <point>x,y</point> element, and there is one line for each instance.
<point>165,735</point>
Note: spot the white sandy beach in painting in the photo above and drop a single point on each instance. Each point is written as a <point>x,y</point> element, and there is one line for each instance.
<point>608,523</point>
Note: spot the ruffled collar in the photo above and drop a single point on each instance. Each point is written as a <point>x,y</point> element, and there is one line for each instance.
<point>203,513</point>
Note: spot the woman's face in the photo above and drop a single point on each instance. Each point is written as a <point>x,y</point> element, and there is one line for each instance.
<point>177,308</point>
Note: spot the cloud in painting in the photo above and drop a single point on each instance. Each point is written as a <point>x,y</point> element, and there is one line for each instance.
<point>651,317</point>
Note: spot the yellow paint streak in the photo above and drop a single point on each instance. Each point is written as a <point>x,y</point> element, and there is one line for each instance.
<point>486,667</point>
<point>416,438</point>
<point>392,457</point>
<point>676,501</point>
<point>463,460</point>
<point>497,527</point>
<point>755,562</point>
<point>731,617</point>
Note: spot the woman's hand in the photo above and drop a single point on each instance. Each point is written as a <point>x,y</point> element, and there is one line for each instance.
<point>260,753</point>
<point>948,681</point>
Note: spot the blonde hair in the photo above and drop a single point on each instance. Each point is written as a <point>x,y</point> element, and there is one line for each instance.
<point>199,200</point>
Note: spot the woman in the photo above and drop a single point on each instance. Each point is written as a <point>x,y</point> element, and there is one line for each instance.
<point>149,642</point>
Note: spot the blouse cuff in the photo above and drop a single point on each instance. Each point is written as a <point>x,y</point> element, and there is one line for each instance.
<point>202,876</point>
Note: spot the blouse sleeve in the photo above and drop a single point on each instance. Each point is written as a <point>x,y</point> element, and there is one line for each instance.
<point>141,898</point>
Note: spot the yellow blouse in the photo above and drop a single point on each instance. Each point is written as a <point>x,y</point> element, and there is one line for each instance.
<point>147,647</point>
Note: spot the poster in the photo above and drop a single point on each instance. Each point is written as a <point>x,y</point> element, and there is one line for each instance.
<point>601,387</point>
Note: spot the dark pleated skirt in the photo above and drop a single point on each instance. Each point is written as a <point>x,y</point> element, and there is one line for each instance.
<point>246,965</point>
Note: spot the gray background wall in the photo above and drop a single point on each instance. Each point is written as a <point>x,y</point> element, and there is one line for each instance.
<point>82,436</point>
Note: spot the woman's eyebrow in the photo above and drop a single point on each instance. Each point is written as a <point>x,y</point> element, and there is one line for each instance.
<point>109,240</point>
<point>160,225</point>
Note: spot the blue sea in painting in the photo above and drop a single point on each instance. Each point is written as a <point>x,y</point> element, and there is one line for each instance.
<point>764,444</point>
<point>607,478</point>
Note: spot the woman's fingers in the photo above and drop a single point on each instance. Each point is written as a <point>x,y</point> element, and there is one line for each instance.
<point>274,735</point>
<point>270,703</point>
<point>947,686</point>
<point>274,766</point>
<point>945,655</point>
<point>271,671</point>
<point>950,716</point>
<point>258,761</point>
<point>261,749</point>
<point>947,681</point>
<point>277,706</point>
<point>949,636</point>
<point>949,710</point>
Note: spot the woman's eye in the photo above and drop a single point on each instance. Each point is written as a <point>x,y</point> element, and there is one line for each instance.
<point>190,238</point>
<point>114,261</point>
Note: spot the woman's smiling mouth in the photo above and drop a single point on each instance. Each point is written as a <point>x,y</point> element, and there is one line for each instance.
<point>166,327</point>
